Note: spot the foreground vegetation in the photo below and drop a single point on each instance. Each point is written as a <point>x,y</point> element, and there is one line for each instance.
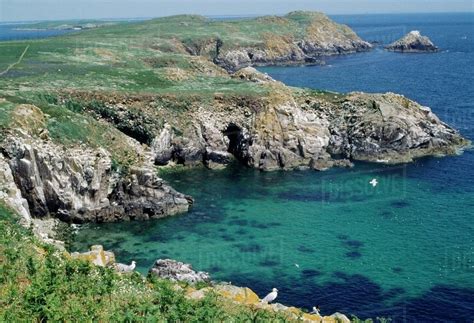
<point>40,283</point>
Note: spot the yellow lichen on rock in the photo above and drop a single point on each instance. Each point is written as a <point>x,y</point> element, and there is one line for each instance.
<point>96,256</point>
<point>242,295</point>
<point>278,45</point>
<point>29,118</point>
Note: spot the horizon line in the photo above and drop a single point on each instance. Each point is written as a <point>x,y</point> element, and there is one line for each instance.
<point>238,16</point>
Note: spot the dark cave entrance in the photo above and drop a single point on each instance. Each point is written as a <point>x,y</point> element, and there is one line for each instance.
<point>238,143</point>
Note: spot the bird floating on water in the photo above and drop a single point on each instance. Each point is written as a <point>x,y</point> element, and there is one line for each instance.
<point>122,268</point>
<point>270,297</point>
<point>373,182</point>
<point>297,266</point>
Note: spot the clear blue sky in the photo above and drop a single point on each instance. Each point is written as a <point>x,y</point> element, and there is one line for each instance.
<point>13,10</point>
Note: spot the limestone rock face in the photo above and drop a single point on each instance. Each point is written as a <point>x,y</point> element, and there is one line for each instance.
<point>178,271</point>
<point>413,42</point>
<point>79,185</point>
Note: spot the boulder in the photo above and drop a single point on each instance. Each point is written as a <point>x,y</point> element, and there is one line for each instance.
<point>96,256</point>
<point>178,271</point>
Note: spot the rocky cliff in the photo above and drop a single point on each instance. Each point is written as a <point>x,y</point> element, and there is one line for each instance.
<point>319,36</point>
<point>78,184</point>
<point>413,42</point>
<point>297,128</point>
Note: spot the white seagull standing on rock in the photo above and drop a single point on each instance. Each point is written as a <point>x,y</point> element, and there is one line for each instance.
<point>122,268</point>
<point>315,310</point>
<point>373,182</point>
<point>270,297</point>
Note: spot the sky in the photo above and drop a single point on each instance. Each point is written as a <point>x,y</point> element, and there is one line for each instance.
<point>19,10</point>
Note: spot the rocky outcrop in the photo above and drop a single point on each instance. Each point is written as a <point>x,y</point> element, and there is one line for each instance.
<point>245,296</point>
<point>289,129</point>
<point>81,185</point>
<point>178,271</point>
<point>96,256</point>
<point>319,37</point>
<point>11,195</point>
<point>413,42</point>
<point>389,128</point>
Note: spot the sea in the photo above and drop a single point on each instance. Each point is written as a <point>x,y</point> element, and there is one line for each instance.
<point>21,30</point>
<point>403,249</point>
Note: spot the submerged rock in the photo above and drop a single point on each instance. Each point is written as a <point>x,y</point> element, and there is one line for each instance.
<point>413,42</point>
<point>178,271</point>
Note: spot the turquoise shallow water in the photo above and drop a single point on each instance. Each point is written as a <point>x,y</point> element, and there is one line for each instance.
<point>359,249</point>
<point>403,249</point>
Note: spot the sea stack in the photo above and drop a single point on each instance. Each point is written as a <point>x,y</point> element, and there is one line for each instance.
<point>413,42</point>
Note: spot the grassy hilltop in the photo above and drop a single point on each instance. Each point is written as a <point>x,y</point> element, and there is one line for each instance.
<point>165,55</point>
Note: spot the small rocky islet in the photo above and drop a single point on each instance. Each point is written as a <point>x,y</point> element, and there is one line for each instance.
<point>413,42</point>
<point>82,142</point>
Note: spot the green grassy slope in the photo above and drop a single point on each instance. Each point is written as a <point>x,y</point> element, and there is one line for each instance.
<point>144,56</point>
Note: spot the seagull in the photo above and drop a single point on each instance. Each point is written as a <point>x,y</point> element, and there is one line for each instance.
<point>373,182</point>
<point>122,268</point>
<point>270,297</point>
<point>297,266</point>
<point>315,310</point>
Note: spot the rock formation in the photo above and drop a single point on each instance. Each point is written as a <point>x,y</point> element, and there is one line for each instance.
<point>413,42</point>
<point>290,129</point>
<point>178,271</point>
<point>96,256</point>
<point>321,37</point>
<point>79,184</point>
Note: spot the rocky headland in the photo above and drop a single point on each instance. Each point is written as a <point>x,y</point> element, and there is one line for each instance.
<point>318,37</point>
<point>413,42</point>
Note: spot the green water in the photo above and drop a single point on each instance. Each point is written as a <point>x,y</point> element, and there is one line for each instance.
<point>354,243</point>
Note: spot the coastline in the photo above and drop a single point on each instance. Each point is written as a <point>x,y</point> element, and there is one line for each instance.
<point>217,153</point>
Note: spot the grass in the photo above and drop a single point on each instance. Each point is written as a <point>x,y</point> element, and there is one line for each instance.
<point>134,57</point>
<point>39,283</point>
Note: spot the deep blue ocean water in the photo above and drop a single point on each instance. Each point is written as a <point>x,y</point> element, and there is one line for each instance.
<point>404,249</point>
